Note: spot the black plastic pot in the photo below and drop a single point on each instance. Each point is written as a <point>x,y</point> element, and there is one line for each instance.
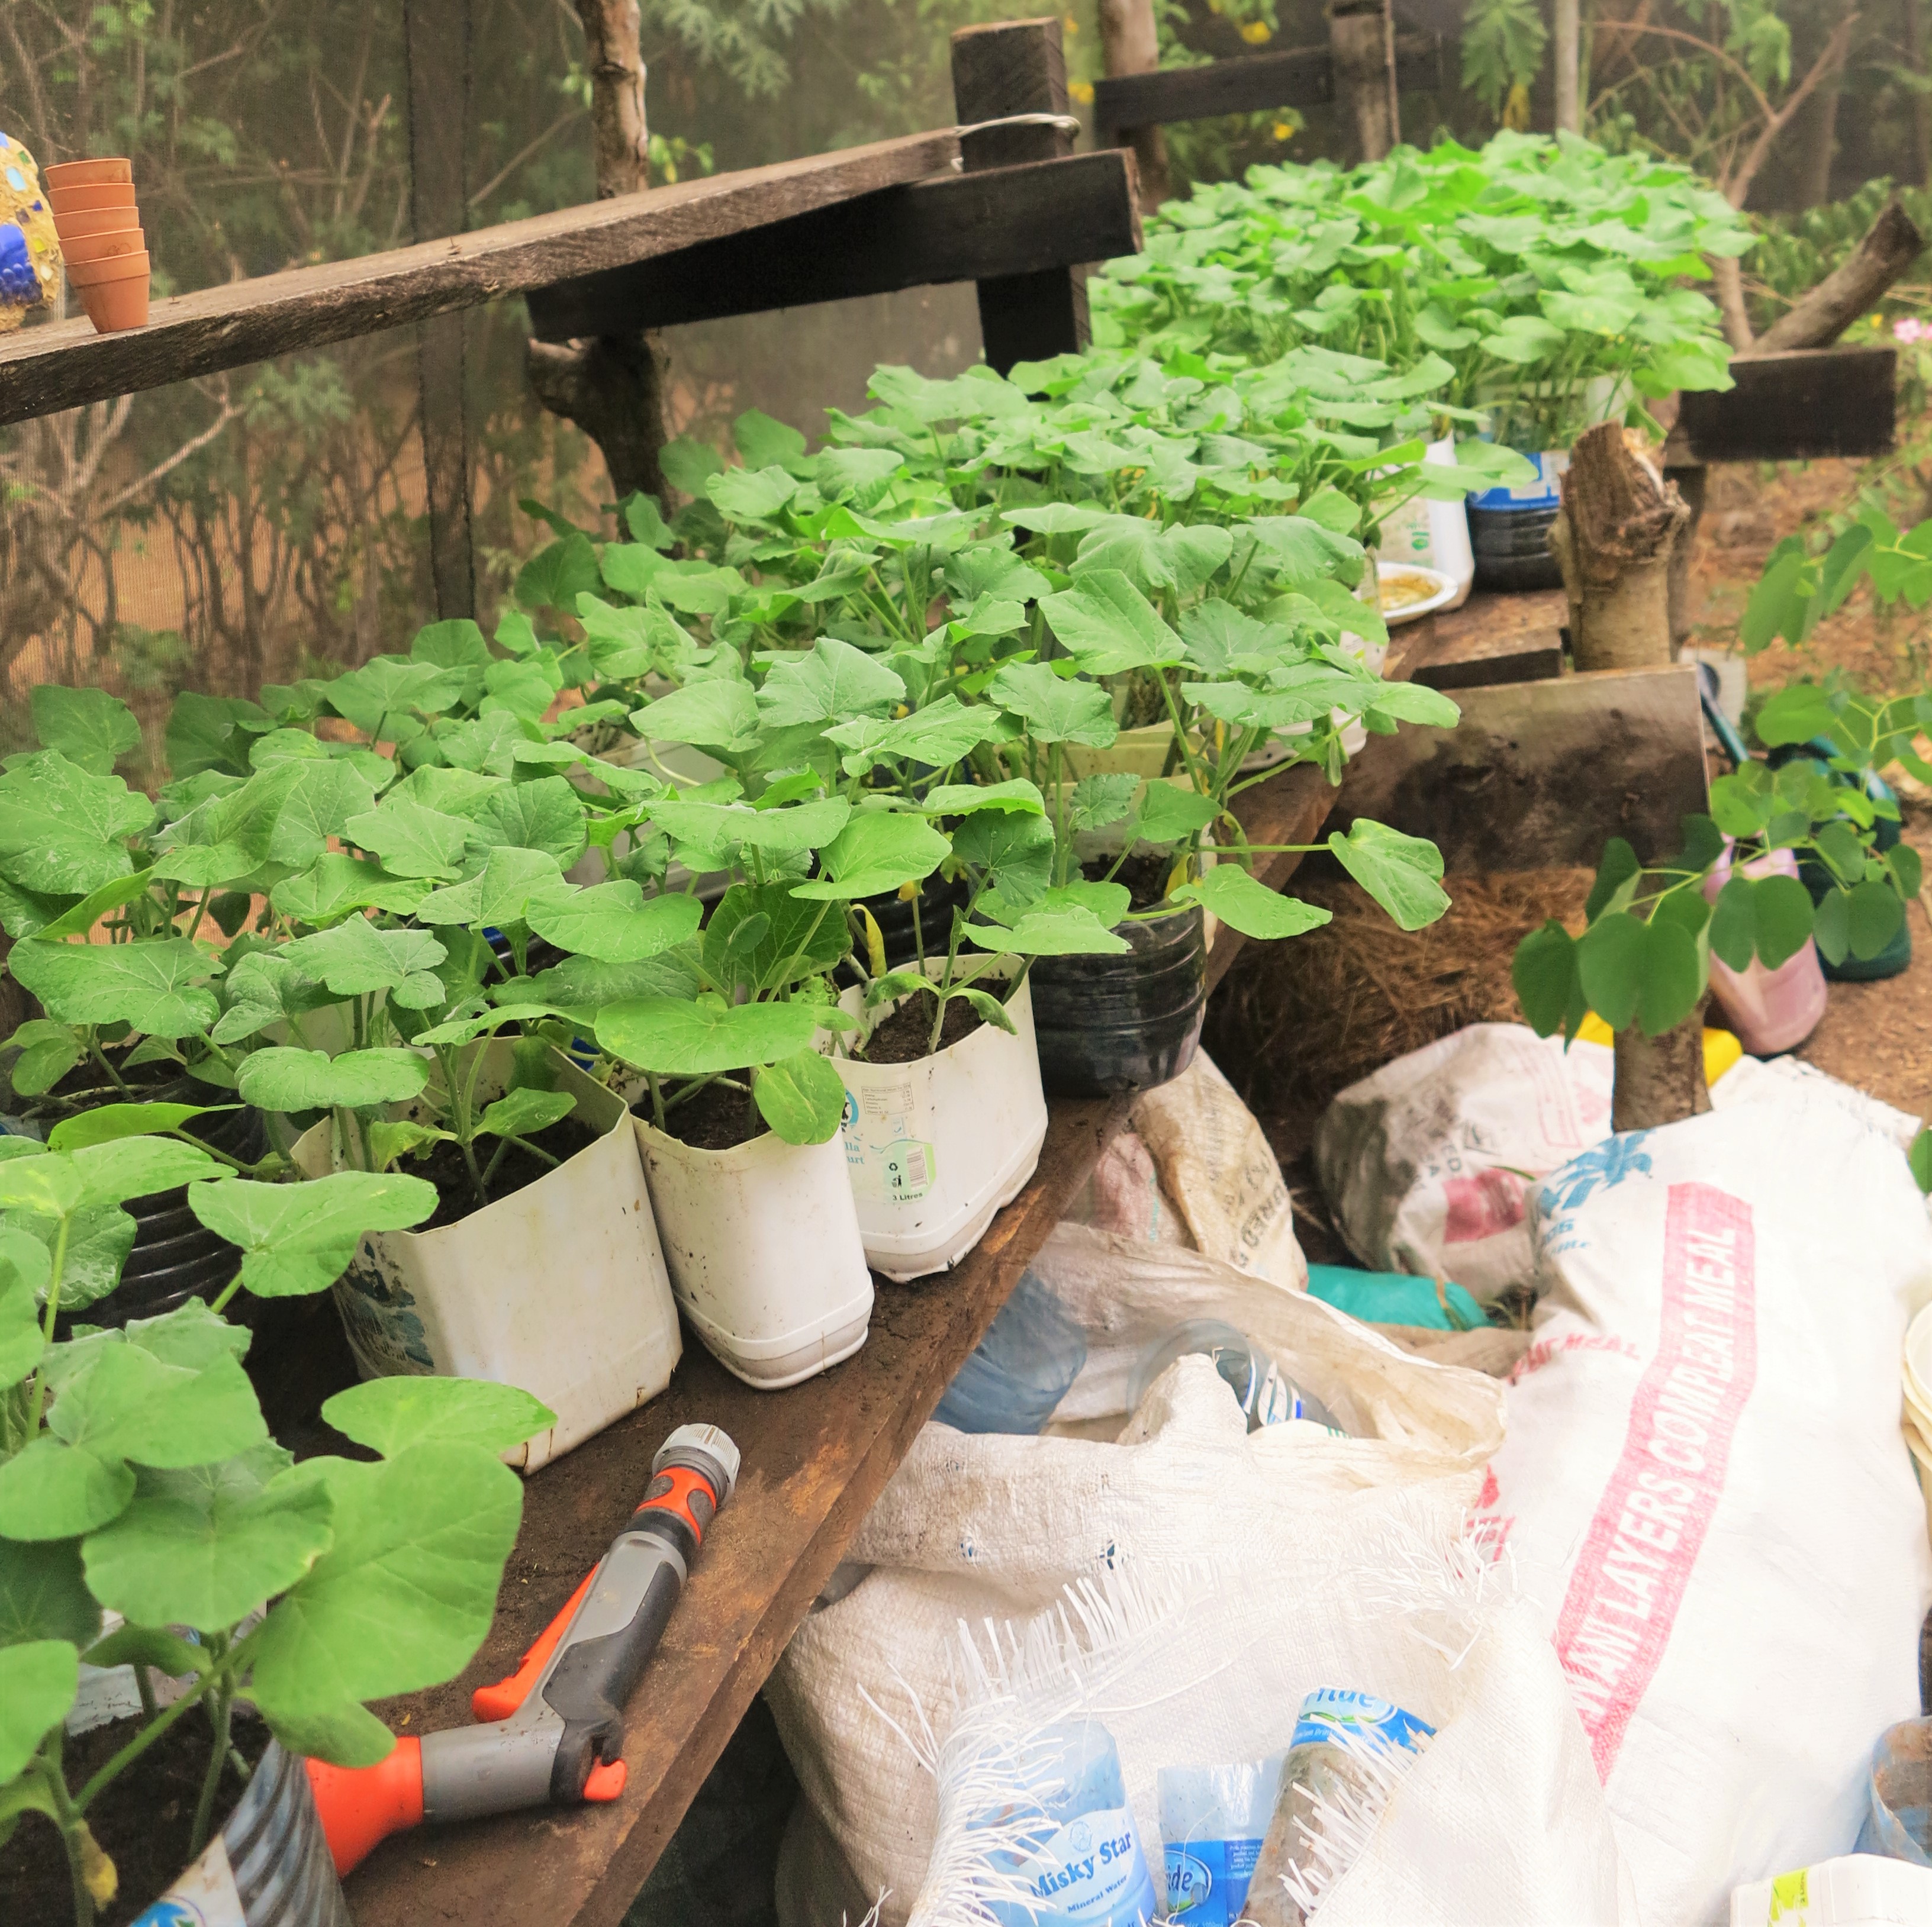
<point>1106,1024</point>
<point>893,915</point>
<point>175,1256</point>
<point>1512,549</point>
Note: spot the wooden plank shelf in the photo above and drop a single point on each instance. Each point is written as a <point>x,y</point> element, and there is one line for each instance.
<point>66,365</point>
<point>1798,405</point>
<point>1249,83</point>
<point>966,227</point>
<point>814,1459</point>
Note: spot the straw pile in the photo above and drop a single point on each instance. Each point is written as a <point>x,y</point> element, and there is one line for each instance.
<point>1296,1021</point>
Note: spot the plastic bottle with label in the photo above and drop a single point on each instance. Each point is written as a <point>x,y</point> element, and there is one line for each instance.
<point>1082,1865</point>
<point>1021,1369</point>
<point>1264,1394</point>
<point>1348,1752</point>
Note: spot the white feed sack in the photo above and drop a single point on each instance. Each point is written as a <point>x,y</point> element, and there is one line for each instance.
<point>1703,1483</point>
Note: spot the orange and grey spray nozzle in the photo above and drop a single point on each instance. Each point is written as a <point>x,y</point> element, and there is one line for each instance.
<point>556,1725</point>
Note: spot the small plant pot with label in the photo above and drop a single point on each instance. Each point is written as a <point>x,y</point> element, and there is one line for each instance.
<point>558,1286</point>
<point>101,220</point>
<point>85,250</point>
<point>89,198</point>
<point>62,174</point>
<point>762,1240</point>
<point>935,1144</point>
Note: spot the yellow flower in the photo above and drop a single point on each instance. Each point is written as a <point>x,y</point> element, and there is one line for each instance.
<point>1516,109</point>
<point>1257,33</point>
<point>1082,90</point>
<point>1282,130</point>
<point>1072,26</point>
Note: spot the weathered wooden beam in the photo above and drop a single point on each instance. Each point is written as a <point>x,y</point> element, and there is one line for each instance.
<point>44,369</point>
<point>435,35</point>
<point>1794,406</point>
<point>1253,83</point>
<point>1006,221</point>
<point>1011,68</point>
<point>1541,774</point>
<point>1361,41</point>
<point>1491,638</point>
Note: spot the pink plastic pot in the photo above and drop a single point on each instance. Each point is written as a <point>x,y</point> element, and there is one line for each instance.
<point>1770,1010</point>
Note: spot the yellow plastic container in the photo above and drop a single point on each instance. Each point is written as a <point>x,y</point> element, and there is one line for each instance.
<point>1721,1049</point>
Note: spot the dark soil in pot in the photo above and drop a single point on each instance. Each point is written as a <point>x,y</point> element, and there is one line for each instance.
<point>718,1119</point>
<point>142,1820</point>
<point>1107,1024</point>
<point>1145,876</point>
<point>904,1036</point>
<point>457,1195</point>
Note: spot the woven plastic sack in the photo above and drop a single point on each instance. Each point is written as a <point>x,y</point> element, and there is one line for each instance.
<point>1197,1170</point>
<point>994,1526</point>
<point>1704,1487</point>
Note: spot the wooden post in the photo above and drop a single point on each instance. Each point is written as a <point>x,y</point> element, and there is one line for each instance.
<point>1614,536</point>
<point>1019,67</point>
<point>437,42</point>
<point>612,386</point>
<point>1130,44</point>
<point>1567,38</point>
<point>1361,40</point>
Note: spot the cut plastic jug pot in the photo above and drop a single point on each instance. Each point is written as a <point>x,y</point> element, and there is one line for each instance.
<point>1021,1369</point>
<point>1770,1010</point>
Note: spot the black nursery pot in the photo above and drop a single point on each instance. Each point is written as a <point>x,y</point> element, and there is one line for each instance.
<point>175,1256</point>
<point>1512,548</point>
<point>1107,1024</point>
<point>893,915</point>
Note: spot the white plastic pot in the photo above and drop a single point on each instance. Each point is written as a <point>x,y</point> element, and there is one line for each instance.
<point>559,1288</point>
<point>935,1147</point>
<point>762,1242</point>
<point>1434,534</point>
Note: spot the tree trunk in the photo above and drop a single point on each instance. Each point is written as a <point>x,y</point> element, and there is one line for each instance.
<point>1690,484</point>
<point>1818,128</point>
<point>1921,107</point>
<point>1818,317</point>
<point>1361,41</point>
<point>1613,538</point>
<point>1659,1079</point>
<point>1568,49</point>
<point>613,387</point>
<point>1130,44</point>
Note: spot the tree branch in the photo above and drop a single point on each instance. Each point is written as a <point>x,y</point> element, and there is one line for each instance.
<point>1829,60</point>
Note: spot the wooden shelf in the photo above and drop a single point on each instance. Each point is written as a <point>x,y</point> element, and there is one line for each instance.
<point>44,369</point>
<point>815,1458</point>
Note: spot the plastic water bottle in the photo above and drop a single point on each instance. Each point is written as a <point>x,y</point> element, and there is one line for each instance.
<point>1349,1751</point>
<point>1021,1369</point>
<point>1263,1392</point>
<point>1082,1865</point>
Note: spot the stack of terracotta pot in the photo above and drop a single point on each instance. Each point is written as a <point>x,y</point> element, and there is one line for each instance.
<point>101,240</point>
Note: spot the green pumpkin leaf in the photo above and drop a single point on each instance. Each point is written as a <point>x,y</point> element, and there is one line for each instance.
<point>391,1414</point>
<point>556,576</point>
<point>1108,627</point>
<point>404,1596</point>
<point>299,1238</point>
<point>1167,812</point>
<point>99,1238</point>
<point>1054,709</point>
<point>355,958</point>
<point>1403,874</point>
<point>124,1407</point>
<point>1237,898</point>
<point>1016,797</point>
<point>23,1274</point>
<point>411,840</point>
<point>801,1097</point>
<point>713,715</point>
<point>834,683</point>
<point>878,850</point>
<point>42,1182</point>
<point>265,988</point>
<point>203,1546</point>
<point>512,882</point>
<point>285,1079</point>
<point>335,885</point>
<point>48,1051</point>
<point>1012,855</point>
<point>64,830</point>
<point>44,1594</point>
<point>112,1121</point>
<point>91,729</point>
<point>38,1682</point>
<point>128,1167</point>
<point>675,1038</point>
<point>153,986</point>
<point>1064,932</point>
<point>546,814</point>
<point>522,1113</point>
<point>612,922</point>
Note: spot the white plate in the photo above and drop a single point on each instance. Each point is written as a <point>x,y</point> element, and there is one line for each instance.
<point>1445,589</point>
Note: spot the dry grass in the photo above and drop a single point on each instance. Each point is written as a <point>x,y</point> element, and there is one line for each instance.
<point>1295,1022</point>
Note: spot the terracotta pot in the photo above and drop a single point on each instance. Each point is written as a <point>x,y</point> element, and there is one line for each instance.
<point>119,303</point>
<point>65,173</point>
<point>85,200</point>
<point>118,268</point>
<point>83,248</point>
<point>101,220</point>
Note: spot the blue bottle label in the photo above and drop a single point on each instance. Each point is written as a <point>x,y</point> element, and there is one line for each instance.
<point>1091,1873</point>
<point>1330,1715</point>
<point>1207,1880</point>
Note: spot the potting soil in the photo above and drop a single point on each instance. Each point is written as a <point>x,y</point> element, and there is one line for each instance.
<point>456,1196</point>
<point>143,1820</point>
<point>906,1036</point>
<point>1145,877</point>
<point>718,1119</point>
